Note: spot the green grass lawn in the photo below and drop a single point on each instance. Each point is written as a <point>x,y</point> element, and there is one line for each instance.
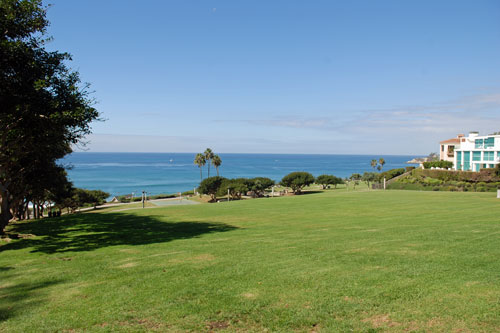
<point>332,261</point>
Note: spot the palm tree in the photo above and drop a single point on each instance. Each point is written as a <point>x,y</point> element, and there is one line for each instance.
<point>373,164</point>
<point>209,154</point>
<point>216,161</point>
<point>381,163</point>
<point>200,161</point>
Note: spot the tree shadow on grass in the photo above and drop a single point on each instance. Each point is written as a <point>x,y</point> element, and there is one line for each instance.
<point>87,232</point>
<point>19,297</point>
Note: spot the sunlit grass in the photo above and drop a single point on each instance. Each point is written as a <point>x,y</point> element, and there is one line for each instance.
<point>332,261</point>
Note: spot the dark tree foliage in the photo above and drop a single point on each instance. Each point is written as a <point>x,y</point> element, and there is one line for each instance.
<point>325,180</point>
<point>235,187</point>
<point>297,181</point>
<point>370,177</point>
<point>45,108</point>
<point>211,186</point>
<point>355,176</point>
<point>89,197</point>
<point>239,186</point>
<point>260,184</point>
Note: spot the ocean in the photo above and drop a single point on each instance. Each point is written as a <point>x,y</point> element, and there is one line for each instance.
<point>156,173</point>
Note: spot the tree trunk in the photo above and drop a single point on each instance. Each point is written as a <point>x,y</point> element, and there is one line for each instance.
<point>216,168</point>
<point>201,175</point>
<point>208,169</point>
<point>5,214</point>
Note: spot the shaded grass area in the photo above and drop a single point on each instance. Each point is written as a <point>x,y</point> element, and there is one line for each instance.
<point>332,261</point>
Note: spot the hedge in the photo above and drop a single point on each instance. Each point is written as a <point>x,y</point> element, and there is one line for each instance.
<point>438,164</point>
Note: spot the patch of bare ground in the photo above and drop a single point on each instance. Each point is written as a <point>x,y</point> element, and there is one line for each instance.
<point>128,251</point>
<point>357,250</point>
<point>199,259</point>
<point>217,325</point>
<point>249,295</point>
<point>435,324</point>
<point>315,328</point>
<point>128,265</point>
<point>165,254</point>
<point>204,257</point>
<point>380,321</point>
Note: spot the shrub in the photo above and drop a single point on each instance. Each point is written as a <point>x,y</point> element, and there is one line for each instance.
<point>211,186</point>
<point>235,187</point>
<point>438,164</point>
<point>297,180</point>
<point>259,184</point>
<point>370,177</point>
<point>409,168</point>
<point>325,180</point>
<point>389,174</point>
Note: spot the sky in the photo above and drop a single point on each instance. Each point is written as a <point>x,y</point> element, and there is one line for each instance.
<point>322,77</point>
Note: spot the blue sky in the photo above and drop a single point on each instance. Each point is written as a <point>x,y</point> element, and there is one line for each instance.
<point>360,77</point>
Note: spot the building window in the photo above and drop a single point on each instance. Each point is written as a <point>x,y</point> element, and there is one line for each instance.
<point>476,156</point>
<point>489,156</point>
<point>442,147</point>
<point>459,160</point>
<point>466,160</point>
<point>479,143</point>
<point>489,142</point>
<point>492,166</point>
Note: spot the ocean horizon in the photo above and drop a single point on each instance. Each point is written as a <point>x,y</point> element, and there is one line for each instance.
<point>121,173</point>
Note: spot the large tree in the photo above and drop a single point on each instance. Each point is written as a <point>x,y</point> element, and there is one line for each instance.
<point>216,162</point>
<point>211,186</point>
<point>297,181</point>
<point>45,108</point>
<point>325,180</point>
<point>200,161</point>
<point>209,155</point>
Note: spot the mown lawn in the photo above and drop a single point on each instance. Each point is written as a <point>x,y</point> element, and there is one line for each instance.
<point>333,261</point>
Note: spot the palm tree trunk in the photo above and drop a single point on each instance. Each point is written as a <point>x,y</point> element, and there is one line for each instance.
<point>201,175</point>
<point>208,169</point>
<point>216,168</point>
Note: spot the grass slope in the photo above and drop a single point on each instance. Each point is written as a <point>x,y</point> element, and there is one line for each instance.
<point>333,261</point>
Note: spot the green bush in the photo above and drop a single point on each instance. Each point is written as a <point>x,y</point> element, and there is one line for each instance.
<point>211,186</point>
<point>409,168</point>
<point>389,174</point>
<point>438,164</point>
<point>325,180</point>
<point>297,180</point>
<point>235,187</point>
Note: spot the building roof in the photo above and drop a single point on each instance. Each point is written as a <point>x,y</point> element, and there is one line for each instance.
<point>454,140</point>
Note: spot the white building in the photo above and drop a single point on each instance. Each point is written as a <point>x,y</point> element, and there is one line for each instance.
<point>447,148</point>
<point>477,152</point>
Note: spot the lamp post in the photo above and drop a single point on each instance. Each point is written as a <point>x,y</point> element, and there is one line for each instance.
<point>143,198</point>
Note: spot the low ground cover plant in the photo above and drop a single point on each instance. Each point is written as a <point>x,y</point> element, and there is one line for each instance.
<point>444,180</point>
